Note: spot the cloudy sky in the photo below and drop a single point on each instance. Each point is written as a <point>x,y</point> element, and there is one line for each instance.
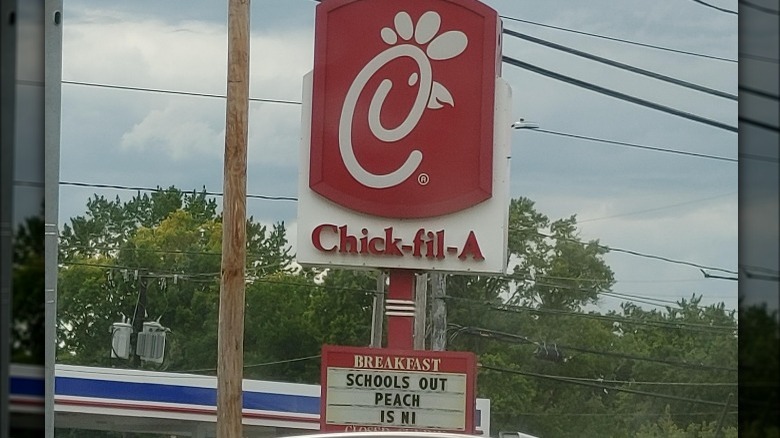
<point>675,206</point>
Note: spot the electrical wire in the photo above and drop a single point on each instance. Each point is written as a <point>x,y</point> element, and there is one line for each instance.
<point>639,254</point>
<point>617,94</point>
<point>757,92</point>
<point>759,7</point>
<point>758,58</point>
<point>503,336</point>
<point>183,276</point>
<point>649,210</point>
<point>617,414</point>
<point>701,328</point>
<point>634,145</point>
<point>638,300</point>
<point>620,65</point>
<point>757,157</point>
<point>257,365</point>
<point>625,297</point>
<point>767,276</point>
<point>651,46</point>
<point>728,11</point>
<point>603,387</point>
<point>758,124</point>
<point>160,189</point>
<point>181,93</point>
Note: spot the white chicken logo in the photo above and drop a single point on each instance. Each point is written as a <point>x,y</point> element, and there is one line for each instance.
<point>430,94</point>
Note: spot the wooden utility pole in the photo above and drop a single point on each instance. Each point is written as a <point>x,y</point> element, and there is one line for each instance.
<point>230,359</point>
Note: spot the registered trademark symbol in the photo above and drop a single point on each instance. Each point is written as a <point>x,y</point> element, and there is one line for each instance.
<point>423,179</point>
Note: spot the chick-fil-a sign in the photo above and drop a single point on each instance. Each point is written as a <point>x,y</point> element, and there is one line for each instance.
<point>405,138</point>
<point>403,105</point>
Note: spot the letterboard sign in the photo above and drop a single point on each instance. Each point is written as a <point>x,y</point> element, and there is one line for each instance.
<point>369,389</point>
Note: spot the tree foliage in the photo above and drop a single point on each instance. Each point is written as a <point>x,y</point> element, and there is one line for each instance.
<point>27,329</point>
<point>629,372</point>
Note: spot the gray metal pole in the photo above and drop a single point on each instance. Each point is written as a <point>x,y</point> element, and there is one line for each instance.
<point>439,312</point>
<point>8,94</point>
<point>52,101</point>
<point>420,310</point>
<point>378,315</point>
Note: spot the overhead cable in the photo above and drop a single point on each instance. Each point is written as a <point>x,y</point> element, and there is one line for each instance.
<point>621,65</point>
<point>608,388</point>
<point>617,94</point>
<point>636,146</point>
<point>651,46</point>
<point>759,57</point>
<point>290,198</point>
<point>728,11</point>
<point>477,331</point>
<point>759,7</point>
<point>160,189</point>
<point>766,275</point>
<point>758,124</point>
<point>183,93</point>
<point>757,92</point>
<point>641,254</point>
<point>701,328</point>
<point>649,210</point>
<point>757,157</point>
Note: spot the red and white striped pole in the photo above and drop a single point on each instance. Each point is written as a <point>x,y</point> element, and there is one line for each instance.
<point>399,309</point>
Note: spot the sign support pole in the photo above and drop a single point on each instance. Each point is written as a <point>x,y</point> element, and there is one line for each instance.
<point>420,310</point>
<point>230,358</point>
<point>378,315</point>
<point>400,309</point>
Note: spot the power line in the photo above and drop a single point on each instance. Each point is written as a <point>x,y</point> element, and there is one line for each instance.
<point>617,94</point>
<point>649,210</point>
<point>603,387</point>
<point>290,198</point>
<point>634,145</point>
<point>621,65</point>
<point>257,365</point>
<point>159,189</point>
<point>497,335</point>
<point>641,254</point>
<point>702,328</point>
<point>651,46</point>
<point>633,382</point>
<point>759,124</point>
<point>752,274</point>
<point>183,276</point>
<point>759,7</point>
<point>758,92</point>
<point>616,414</point>
<point>757,157</point>
<point>182,93</point>
<point>728,11</point>
<point>625,297</point>
<point>759,57</point>
<point>650,301</point>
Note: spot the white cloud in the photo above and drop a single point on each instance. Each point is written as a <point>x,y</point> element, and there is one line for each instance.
<point>180,130</point>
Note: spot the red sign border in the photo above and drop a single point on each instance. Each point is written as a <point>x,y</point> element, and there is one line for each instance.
<point>491,42</point>
<point>470,369</point>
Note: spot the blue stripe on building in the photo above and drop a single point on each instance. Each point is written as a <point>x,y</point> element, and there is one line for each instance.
<point>153,392</point>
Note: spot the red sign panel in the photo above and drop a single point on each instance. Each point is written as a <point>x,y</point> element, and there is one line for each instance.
<point>371,389</point>
<point>403,105</point>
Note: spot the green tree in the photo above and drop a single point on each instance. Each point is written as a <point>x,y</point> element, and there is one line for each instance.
<point>759,341</point>
<point>167,244</point>
<point>28,293</point>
